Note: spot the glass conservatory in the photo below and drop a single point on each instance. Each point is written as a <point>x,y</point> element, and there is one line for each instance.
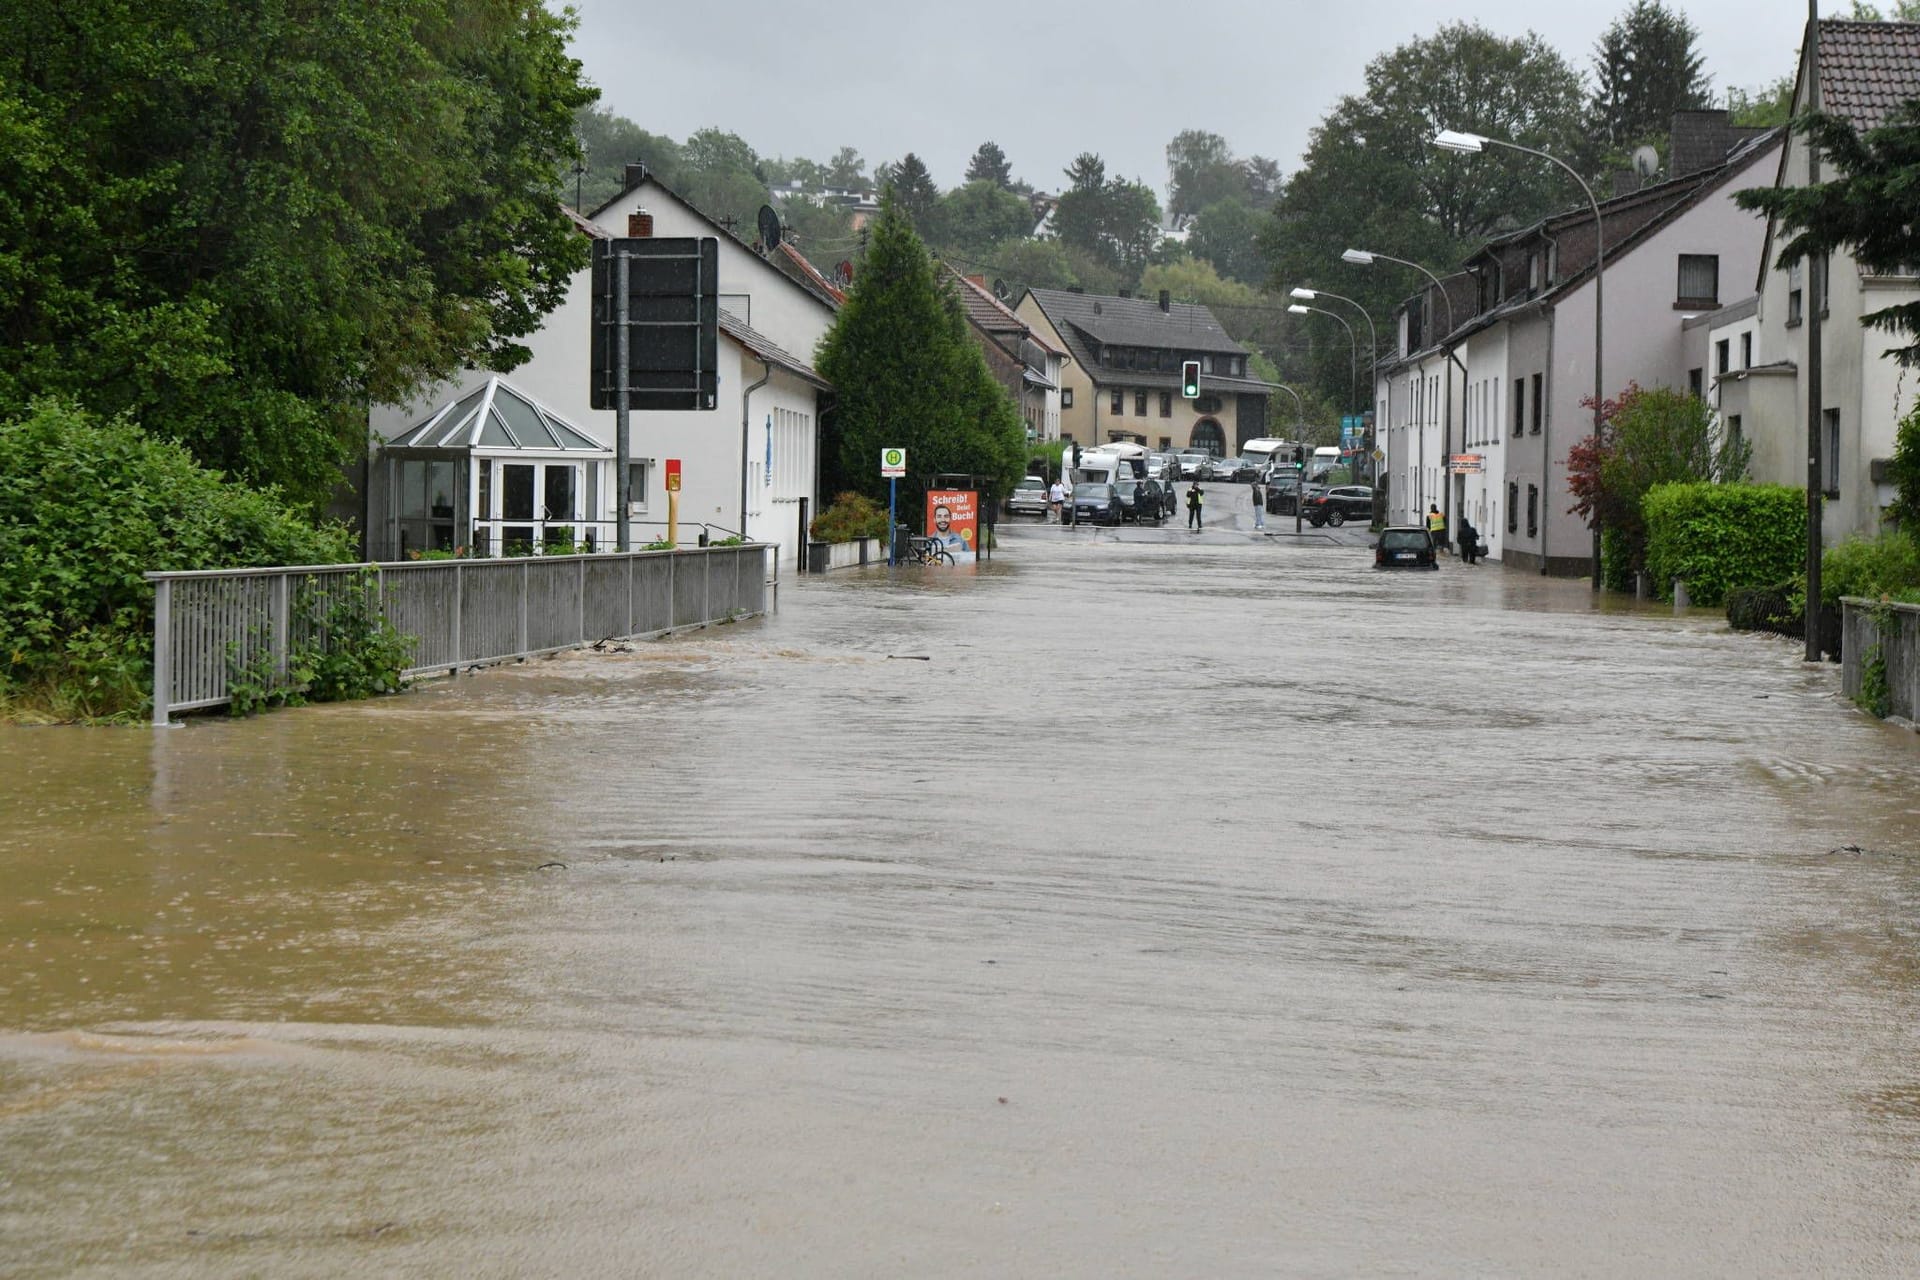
<point>492,473</point>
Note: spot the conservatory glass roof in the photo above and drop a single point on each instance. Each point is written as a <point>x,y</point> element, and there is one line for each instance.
<point>497,416</point>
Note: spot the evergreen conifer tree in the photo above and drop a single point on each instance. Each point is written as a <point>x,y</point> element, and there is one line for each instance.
<point>1646,66</point>
<point>906,373</point>
<point>990,164</point>
<point>914,189</point>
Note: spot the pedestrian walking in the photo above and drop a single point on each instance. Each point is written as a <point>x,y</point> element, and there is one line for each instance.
<point>1195,497</point>
<point>1259,488</point>
<point>1437,528</point>
<point>1056,499</point>
<point>1469,542</point>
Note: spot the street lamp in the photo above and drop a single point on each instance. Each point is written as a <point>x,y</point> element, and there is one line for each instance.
<point>1373,337</point>
<point>1474,143</point>
<point>1366,258</point>
<point>1299,309</point>
<point>1299,404</point>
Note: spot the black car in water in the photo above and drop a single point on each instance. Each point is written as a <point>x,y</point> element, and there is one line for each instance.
<point>1406,547</point>
<point>1094,504</point>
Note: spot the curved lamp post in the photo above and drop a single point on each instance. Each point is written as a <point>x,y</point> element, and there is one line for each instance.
<point>1299,405</point>
<point>1353,387</point>
<point>1366,258</point>
<point>1473,144</point>
<point>1373,344</point>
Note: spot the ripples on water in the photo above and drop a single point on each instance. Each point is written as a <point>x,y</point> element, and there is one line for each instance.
<point>1196,909</point>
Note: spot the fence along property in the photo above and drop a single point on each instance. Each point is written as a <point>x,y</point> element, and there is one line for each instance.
<point>459,612</point>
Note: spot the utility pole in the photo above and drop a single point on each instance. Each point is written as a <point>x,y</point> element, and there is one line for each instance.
<point>1816,298</point>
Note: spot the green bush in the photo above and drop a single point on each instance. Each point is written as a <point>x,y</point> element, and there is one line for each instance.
<point>87,507</point>
<point>1870,568</point>
<point>1780,608</point>
<point>852,515</point>
<point>1720,536</point>
<point>1905,474</point>
<point>1616,559</point>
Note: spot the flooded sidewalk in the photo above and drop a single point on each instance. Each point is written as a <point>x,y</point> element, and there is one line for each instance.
<point>1124,906</point>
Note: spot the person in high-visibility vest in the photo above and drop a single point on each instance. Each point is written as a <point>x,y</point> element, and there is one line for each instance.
<point>1195,497</point>
<point>1437,527</point>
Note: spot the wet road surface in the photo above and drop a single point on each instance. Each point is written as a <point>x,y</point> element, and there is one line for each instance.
<point>1204,904</point>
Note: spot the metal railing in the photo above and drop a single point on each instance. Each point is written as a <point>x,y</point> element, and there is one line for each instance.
<point>208,625</point>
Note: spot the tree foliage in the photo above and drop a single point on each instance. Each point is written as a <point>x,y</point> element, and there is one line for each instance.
<point>1225,234</point>
<point>1905,473</point>
<point>239,225</point>
<point>1721,537</point>
<point>1766,107</point>
<point>1372,179</point>
<point>1866,209</point>
<point>908,373</point>
<point>1201,171</point>
<point>1116,223</point>
<point>990,164</point>
<point>1647,65</point>
<point>914,190</point>
<point>973,218</point>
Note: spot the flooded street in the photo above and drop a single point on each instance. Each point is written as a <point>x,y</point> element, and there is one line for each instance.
<point>1199,906</point>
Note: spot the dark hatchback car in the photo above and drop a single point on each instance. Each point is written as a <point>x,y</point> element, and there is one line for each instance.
<point>1340,504</point>
<point>1404,548</point>
<point>1142,500</point>
<point>1095,504</point>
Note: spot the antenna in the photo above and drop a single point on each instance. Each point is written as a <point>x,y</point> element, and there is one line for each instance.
<point>1000,289</point>
<point>769,228</point>
<point>1646,161</point>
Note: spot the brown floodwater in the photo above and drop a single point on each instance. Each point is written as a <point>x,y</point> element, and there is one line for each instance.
<point>1200,906</point>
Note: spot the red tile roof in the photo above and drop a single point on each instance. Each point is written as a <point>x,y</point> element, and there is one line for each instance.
<point>1868,68</point>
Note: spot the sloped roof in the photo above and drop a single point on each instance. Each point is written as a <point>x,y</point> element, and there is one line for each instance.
<point>798,267</point>
<point>1136,322</point>
<point>991,315</point>
<point>1868,68</point>
<point>767,351</point>
<point>497,415</point>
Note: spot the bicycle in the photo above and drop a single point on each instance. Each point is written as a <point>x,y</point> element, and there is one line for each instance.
<point>922,550</point>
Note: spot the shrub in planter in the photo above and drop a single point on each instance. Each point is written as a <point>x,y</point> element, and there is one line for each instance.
<point>851,516</point>
<point>1720,536</point>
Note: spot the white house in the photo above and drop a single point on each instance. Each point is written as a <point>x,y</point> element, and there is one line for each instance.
<point>1865,70</point>
<point>750,466</point>
<point>1526,345</point>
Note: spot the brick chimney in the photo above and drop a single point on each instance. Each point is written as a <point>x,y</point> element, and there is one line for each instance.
<point>640,225</point>
<point>636,173</point>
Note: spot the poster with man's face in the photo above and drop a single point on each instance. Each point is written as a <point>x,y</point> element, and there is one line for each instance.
<point>953,518</point>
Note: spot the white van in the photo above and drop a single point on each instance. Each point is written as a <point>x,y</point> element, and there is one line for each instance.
<point>1263,451</point>
<point>1324,459</point>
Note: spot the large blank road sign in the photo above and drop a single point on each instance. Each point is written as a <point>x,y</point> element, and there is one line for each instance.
<point>673,310</point>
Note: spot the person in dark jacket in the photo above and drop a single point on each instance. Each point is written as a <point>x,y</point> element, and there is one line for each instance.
<point>1469,542</point>
<point>1195,497</point>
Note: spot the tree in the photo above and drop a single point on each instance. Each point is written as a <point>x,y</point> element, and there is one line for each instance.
<point>1646,437</point>
<point>1024,264</point>
<point>847,171</point>
<point>990,164</point>
<point>913,190</point>
<point>1371,178</point>
<point>1903,11</point>
<point>1866,209</point>
<point>610,143</point>
<point>720,175</point>
<point>907,373</point>
<point>1201,170</point>
<point>1766,107</point>
<point>974,218</point>
<point>241,225</point>
<point>1905,475</point>
<point>1225,235</point>
<point>1114,223</point>
<point>1647,66</point>
<point>1264,181</point>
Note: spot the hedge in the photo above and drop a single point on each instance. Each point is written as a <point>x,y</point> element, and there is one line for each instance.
<point>86,508</point>
<point>1720,536</point>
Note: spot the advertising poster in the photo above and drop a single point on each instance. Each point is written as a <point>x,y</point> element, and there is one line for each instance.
<point>953,518</point>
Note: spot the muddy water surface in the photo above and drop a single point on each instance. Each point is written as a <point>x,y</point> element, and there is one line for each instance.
<point>1197,908</point>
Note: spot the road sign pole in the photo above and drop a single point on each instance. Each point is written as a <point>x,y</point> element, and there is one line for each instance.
<point>622,420</point>
<point>893,495</point>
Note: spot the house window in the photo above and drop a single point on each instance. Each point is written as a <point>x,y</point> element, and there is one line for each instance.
<point>1533,274</point>
<point>1746,351</point>
<point>1513,506</point>
<point>1119,402</point>
<point>1794,305</point>
<point>1696,380</point>
<point>1539,380</point>
<point>1519,406</point>
<point>637,484</point>
<point>1830,453</point>
<point>1066,397</point>
<point>1699,279</point>
<point>1166,404</point>
<point>1533,511</point>
<point>1722,355</point>
<point>1166,444</point>
<point>1139,404</point>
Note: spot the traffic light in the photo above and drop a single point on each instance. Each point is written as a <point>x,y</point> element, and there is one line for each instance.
<point>1299,456</point>
<point>1190,379</point>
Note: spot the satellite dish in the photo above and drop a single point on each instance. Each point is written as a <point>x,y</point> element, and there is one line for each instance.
<point>1646,161</point>
<point>769,228</point>
<point>1000,289</point>
<point>844,271</point>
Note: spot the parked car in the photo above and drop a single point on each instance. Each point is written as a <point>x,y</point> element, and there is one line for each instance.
<point>1191,463</point>
<point>1404,548</point>
<point>1095,504</point>
<point>1340,504</point>
<point>1155,501</point>
<point>1029,497</point>
<point>1129,494</point>
<point>1225,469</point>
<point>1282,494</point>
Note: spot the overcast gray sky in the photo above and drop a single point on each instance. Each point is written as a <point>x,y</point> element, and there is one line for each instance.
<point>1049,80</point>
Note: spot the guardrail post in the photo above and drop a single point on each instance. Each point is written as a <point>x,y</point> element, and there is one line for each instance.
<point>673,594</point>
<point>459,607</point>
<point>279,628</point>
<point>632,563</point>
<point>526,589</point>
<point>706,588</point>
<point>162,651</point>
<point>582,565</point>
